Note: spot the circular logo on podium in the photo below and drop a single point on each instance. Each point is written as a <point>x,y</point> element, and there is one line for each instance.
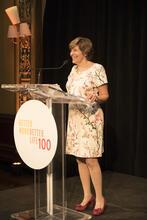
<point>35,134</point>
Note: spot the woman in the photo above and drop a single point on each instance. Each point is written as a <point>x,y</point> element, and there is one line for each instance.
<point>85,122</point>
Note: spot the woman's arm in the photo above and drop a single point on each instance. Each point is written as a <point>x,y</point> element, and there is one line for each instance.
<point>102,93</point>
<point>98,94</point>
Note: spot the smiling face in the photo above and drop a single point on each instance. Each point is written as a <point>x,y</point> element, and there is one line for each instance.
<point>80,49</point>
<point>77,55</point>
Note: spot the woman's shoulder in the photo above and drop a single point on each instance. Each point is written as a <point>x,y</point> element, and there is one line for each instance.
<point>72,71</point>
<point>97,68</point>
<point>101,73</point>
<point>98,65</point>
<point>74,68</point>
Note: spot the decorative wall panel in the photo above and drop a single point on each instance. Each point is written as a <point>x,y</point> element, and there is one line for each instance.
<point>24,51</point>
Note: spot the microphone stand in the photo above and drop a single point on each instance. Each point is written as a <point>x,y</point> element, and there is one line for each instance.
<point>50,68</point>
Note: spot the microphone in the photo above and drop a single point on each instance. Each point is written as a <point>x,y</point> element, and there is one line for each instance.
<point>50,68</point>
<point>54,68</point>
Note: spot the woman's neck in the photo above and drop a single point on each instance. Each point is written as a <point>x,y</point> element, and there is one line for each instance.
<point>84,65</point>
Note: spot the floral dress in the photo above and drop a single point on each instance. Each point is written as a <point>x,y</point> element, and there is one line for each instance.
<point>85,122</point>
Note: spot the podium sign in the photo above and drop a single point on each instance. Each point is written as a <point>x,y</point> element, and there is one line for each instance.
<point>35,134</point>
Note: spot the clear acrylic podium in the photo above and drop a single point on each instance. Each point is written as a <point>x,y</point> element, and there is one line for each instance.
<point>53,209</point>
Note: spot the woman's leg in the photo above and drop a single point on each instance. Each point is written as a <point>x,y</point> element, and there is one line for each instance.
<point>85,180</point>
<point>96,177</point>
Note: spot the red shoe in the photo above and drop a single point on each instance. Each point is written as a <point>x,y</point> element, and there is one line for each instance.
<point>99,211</point>
<point>80,208</point>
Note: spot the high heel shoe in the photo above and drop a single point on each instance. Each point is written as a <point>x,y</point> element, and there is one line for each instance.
<point>99,211</point>
<point>80,208</point>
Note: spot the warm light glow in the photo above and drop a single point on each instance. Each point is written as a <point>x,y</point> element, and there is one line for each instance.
<point>16,163</point>
<point>12,32</point>
<point>13,15</point>
<point>18,29</point>
<point>24,30</point>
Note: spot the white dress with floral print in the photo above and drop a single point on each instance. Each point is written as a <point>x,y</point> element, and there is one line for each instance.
<point>85,123</point>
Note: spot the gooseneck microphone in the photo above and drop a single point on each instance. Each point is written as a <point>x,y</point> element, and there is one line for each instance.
<point>50,68</point>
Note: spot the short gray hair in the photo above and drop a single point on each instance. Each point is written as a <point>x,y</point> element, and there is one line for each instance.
<point>84,44</point>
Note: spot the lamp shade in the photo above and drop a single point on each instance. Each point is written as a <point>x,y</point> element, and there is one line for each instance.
<point>12,32</point>
<point>24,30</point>
<point>13,14</point>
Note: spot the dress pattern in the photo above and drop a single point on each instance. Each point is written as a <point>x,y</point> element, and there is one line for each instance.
<point>85,122</point>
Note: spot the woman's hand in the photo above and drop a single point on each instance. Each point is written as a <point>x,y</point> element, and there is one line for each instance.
<point>91,95</point>
<point>97,94</point>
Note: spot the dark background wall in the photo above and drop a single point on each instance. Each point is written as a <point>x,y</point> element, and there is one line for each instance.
<point>118,30</point>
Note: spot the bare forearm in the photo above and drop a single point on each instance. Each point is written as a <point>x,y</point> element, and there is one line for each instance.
<point>102,98</point>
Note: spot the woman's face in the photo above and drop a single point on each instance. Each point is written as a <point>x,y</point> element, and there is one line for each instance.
<point>77,55</point>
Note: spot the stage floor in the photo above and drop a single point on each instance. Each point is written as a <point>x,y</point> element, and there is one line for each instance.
<point>126,195</point>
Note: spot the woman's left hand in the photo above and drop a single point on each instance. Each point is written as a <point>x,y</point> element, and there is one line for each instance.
<point>91,95</point>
